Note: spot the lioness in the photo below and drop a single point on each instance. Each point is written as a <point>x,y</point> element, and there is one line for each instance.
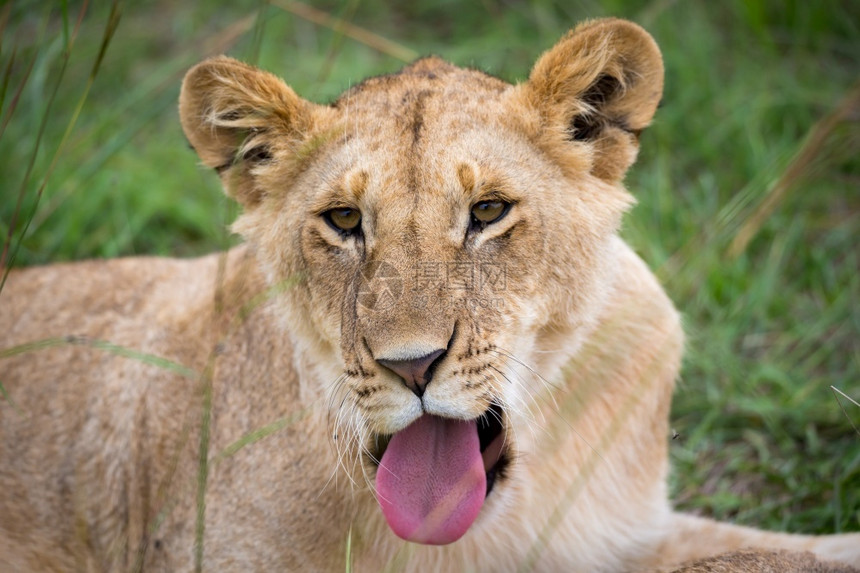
<point>432,333</point>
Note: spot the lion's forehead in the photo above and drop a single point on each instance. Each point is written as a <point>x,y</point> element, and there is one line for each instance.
<point>425,137</point>
<point>428,100</point>
<point>430,159</point>
<point>428,75</point>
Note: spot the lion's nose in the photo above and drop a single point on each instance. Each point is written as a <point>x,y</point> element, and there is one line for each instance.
<point>416,373</point>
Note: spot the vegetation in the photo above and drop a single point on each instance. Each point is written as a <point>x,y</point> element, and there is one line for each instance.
<point>747,186</point>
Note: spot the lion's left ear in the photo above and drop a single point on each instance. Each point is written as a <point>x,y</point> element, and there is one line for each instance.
<point>601,85</point>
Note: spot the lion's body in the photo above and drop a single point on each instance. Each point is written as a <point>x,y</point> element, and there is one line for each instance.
<point>124,432</point>
<point>151,361</point>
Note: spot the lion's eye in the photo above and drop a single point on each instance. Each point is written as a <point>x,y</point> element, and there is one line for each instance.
<point>344,220</point>
<point>487,212</point>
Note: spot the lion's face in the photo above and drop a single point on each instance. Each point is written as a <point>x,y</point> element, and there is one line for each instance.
<point>442,229</point>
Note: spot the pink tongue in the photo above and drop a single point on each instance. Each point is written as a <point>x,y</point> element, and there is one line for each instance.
<point>431,481</point>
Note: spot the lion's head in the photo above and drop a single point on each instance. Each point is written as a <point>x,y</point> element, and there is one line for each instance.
<point>442,231</point>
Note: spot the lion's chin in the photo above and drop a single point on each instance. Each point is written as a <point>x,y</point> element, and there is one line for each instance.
<point>434,475</point>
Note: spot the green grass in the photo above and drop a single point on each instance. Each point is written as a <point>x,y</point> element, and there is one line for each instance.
<point>771,326</point>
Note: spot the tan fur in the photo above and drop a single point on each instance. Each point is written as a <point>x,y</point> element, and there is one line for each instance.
<point>775,561</point>
<point>100,444</point>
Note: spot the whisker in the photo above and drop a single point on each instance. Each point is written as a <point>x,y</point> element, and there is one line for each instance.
<point>525,365</point>
<point>554,405</point>
<point>548,385</point>
<point>507,407</point>
<point>524,408</point>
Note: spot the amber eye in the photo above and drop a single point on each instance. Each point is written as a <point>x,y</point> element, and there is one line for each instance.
<point>344,220</point>
<point>487,212</point>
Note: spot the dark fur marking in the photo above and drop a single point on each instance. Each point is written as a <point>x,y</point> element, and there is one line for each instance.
<point>257,154</point>
<point>601,91</point>
<point>410,240</point>
<point>231,115</point>
<point>369,353</point>
<point>370,407</point>
<point>506,236</point>
<point>499,243</point>
<point>584,128</point>
<point>589,126</point>
<point>367,391</point>
<point>318,241</point>
<point>418,116</point>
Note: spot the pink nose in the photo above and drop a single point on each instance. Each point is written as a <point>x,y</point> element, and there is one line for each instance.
<point>416,373</point>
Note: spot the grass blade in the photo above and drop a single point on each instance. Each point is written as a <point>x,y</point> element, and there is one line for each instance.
<point>203,462</point>
<point>800,165</point>
<point>98,344</point>
<point>837,392</point>
<point>7,256</point>
<point>259,434</point>
<point>357,33</point>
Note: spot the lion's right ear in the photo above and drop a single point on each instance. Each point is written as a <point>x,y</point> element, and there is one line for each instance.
<point>237,117</point>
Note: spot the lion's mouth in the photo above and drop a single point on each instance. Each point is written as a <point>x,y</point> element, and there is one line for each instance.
<point>491,437</point>
<point>494,451</point>
<point>434,475</point>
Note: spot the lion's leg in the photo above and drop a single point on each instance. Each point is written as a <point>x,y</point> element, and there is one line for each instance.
<point>693,538</point>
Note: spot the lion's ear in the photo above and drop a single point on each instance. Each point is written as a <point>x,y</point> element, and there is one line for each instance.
<point>601,85</point>
<point>233,114</point>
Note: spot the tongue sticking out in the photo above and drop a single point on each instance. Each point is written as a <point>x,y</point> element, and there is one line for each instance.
<point>431,481</point>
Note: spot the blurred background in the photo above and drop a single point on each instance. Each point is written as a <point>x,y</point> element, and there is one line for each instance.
<point>748,185</point>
